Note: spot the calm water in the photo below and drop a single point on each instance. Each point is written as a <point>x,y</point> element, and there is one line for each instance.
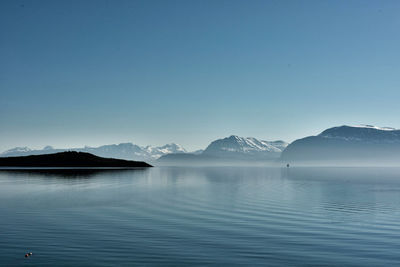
<point>201,216</point>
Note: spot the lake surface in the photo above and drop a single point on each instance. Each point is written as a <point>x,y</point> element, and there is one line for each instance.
<point>201,216</point>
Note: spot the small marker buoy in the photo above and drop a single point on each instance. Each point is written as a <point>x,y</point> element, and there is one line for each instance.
<point>287,165</point>
<point>28,254</point>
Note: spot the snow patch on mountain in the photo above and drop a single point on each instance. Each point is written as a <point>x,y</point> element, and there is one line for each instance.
<point>373,127</point>
<point>16,151</point>
<point>157,152</point>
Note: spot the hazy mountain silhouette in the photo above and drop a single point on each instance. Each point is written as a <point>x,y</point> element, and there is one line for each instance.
<point>68,159</point>
<point>347,144</point>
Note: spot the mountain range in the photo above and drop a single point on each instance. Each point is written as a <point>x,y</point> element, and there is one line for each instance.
<point>347,144</point>
<point>343,144</point>
<point>127,151</point>
<point>230,149</point>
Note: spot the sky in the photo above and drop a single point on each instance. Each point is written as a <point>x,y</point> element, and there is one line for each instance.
<point>75,73</point>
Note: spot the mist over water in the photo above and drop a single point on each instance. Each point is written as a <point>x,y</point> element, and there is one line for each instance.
<point>201,216</point>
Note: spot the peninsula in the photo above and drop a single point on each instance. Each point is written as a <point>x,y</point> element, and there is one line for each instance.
<point>69,159</point>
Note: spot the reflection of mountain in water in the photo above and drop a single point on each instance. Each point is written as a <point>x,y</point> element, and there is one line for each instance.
<point>345,193</point>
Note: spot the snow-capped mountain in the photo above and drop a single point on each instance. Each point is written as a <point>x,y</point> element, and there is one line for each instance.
<point>18,151</point>
<point>362,133</point>
<point>157,152</point>
<point>122,151</point>
<point>232,149</point>
<point>235,145</point>
<point>344,143</point>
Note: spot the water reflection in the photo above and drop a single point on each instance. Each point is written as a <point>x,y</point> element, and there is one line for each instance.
<point>69,173</point>
<point>184,216</point>
<point>346,194</point>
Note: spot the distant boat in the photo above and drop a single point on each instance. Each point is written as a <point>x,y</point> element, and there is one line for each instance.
<point>287,165</point>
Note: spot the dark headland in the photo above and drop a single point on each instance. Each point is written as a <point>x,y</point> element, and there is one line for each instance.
<point>69,159</point>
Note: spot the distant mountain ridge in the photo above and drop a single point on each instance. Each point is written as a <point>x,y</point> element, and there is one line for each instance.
<point>362,132</point>
<point>126,151</point>
<point>235,145</point>
<point>232,148</point>
<point>364,143</point>
<point>361,143</point>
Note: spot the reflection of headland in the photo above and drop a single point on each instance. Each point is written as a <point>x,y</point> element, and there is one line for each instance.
<point>70,173</point>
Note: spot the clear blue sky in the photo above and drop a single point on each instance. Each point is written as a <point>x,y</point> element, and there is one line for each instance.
<point>76,73</point>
